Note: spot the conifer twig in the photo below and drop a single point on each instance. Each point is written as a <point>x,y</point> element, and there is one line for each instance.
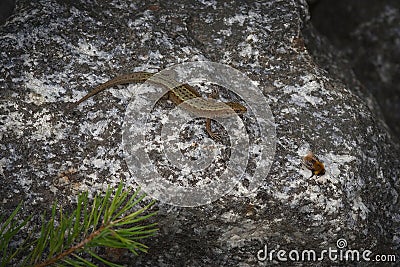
<point>107,221</point>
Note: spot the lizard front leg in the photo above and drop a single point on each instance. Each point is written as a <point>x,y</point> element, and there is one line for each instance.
<point>213,135</point>
<point>214,95</point>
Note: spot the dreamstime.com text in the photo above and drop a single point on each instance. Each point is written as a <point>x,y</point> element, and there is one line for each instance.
<point>338,254</point>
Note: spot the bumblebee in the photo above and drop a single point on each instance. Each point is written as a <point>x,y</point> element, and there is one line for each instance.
<point>311,162</point>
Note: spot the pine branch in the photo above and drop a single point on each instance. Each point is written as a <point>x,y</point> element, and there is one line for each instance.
<point>71,249</point>
<point>108,221</point>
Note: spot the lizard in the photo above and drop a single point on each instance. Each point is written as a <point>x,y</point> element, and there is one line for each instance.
<point>179,94</point>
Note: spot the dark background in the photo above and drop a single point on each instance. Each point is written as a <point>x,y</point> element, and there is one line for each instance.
<point>367,33</point>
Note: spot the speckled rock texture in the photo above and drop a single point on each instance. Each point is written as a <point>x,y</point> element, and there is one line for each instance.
<point>53,52</point>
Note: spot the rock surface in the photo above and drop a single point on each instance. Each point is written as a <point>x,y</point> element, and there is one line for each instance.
<point>53,52</point>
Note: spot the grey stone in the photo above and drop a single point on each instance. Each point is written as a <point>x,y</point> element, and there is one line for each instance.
<point>53,52</point>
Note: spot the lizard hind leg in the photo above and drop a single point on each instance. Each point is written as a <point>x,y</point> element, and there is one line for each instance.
<point>214,94</point>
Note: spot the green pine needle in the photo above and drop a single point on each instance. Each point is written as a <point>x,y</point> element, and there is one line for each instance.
<point>71,240</point>
<point>8,230</point>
